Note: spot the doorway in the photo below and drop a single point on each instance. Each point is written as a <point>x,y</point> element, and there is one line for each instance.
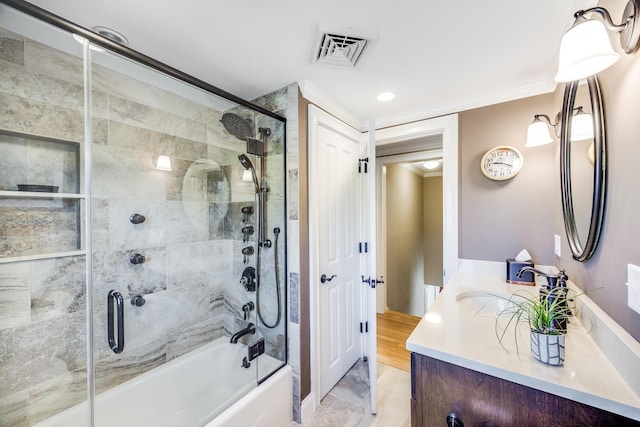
<point>402,151</point>
<point>411,195</point>
<point>446,129</point>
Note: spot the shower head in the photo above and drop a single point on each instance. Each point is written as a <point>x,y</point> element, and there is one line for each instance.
<point>246,163</point>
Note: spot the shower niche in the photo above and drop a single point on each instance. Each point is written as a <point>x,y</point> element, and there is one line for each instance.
<point>40,197</point>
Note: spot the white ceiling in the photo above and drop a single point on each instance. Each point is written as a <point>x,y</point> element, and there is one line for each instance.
<point>438,57</point>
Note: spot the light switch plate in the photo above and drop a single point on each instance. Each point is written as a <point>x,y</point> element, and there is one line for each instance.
<point>633,282</point>
<point>557,244</point>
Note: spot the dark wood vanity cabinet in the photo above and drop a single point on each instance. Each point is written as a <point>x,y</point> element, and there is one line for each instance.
<point>439,388</point>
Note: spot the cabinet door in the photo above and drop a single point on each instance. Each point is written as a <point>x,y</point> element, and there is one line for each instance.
<point>439,388</point>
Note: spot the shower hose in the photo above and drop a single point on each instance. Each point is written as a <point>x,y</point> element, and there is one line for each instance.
<point>276,233</point>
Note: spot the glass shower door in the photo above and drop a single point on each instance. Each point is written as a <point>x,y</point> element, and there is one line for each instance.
<point>43,328</point>
<point>114,290</point>
<point>159,181</point>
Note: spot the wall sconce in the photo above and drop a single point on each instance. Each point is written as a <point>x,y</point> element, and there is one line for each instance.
<point>581,125</point>
<point>586,50</point>
<point>163,163</point>
<point>538,131</point>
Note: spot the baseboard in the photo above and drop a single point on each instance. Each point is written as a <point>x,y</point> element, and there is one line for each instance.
<point>306,409</point>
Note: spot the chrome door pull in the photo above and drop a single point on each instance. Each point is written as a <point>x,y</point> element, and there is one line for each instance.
<point>324,278</point>
<point>116,346</point>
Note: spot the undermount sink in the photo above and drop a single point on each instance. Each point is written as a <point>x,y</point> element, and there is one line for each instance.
<point>483,303</point>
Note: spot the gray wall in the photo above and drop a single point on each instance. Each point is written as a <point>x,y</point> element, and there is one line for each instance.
<point>498,219</point>
<point>620,86</point>
<point>432,226</point>
<point>405,262</point>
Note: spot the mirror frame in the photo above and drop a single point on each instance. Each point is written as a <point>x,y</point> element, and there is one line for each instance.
<point>583,253</point>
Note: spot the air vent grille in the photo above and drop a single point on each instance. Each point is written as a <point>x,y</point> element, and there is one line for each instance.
<point>340,50</point>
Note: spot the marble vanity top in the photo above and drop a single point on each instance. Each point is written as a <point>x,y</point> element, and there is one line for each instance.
<point>459,328</point>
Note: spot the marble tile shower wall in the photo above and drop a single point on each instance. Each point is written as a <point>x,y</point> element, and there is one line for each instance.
<point>190,239</point>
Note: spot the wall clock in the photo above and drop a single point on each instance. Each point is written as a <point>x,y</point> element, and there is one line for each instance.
<point>501,163</point>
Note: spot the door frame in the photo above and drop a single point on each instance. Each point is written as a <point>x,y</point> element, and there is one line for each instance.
<point>447,128</point>
<point>318,117</point>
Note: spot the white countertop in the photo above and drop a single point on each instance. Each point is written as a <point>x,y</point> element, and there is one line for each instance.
<point>459,328</point>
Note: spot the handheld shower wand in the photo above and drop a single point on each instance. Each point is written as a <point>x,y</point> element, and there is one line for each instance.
<point>246,163</point>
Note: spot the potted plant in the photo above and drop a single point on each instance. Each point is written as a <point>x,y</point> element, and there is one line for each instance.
<point>545,316</point>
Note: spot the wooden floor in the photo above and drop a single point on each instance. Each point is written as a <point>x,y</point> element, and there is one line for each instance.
<point>393,330</point>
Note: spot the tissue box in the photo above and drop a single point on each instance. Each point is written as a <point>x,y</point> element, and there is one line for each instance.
<point>513,267</point>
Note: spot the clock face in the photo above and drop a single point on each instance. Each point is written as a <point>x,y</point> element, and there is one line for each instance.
<point>501,163</point>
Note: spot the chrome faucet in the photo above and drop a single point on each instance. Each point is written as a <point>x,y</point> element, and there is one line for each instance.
<point>250,329</point>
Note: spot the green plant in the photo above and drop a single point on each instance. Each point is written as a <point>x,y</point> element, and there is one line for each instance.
<point>544,313</point>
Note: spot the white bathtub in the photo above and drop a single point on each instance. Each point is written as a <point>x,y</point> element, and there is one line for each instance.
<point>206,387</point>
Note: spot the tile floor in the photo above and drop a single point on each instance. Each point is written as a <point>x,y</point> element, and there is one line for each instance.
<point>348,404</point>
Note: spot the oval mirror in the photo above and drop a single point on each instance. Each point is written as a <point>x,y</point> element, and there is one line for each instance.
<point>582,167</point>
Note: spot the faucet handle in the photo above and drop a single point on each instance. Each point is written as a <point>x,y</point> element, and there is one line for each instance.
<point>247,308</point>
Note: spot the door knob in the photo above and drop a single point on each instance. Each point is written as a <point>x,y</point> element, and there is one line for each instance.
<point>324,278</point>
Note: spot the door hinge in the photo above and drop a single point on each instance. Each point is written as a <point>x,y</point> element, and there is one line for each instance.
<point>369,281</point>
<point>363,165</point>
<point>364,327</point>
<point>363,247</point>
<point>372,282</point>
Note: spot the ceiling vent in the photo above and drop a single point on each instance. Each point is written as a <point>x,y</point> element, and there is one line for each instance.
<point>341,48</point>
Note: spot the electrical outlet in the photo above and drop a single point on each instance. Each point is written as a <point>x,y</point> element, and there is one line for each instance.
<point>557,244</point>
<point>633,283</point>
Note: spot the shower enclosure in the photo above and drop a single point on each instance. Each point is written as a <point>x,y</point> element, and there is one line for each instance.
<point>130,234</point>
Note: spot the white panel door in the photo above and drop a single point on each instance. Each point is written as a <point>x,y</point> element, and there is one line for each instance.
<point>337,230</point>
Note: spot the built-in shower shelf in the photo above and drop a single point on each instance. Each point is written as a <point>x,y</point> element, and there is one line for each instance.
<point>41,256</point>
<point>39,195</point>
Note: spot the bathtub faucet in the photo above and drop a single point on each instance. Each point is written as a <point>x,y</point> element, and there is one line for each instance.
<point>250,329</point>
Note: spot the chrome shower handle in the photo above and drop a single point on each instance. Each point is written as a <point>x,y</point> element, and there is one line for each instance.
<point>115,346</point>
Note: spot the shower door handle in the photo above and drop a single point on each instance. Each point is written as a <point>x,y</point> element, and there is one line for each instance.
<point>115,296</point>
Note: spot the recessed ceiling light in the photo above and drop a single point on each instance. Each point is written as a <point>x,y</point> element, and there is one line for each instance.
<point>386,96</point>
<point>431,164</point>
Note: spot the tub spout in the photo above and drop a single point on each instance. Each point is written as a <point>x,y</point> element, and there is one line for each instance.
<point>250,329</point>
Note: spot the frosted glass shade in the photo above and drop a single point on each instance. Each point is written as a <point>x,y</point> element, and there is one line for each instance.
<point>581,127</point>
<point>164,163</point>
<point>585,50</point>
<point>538,134</point>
